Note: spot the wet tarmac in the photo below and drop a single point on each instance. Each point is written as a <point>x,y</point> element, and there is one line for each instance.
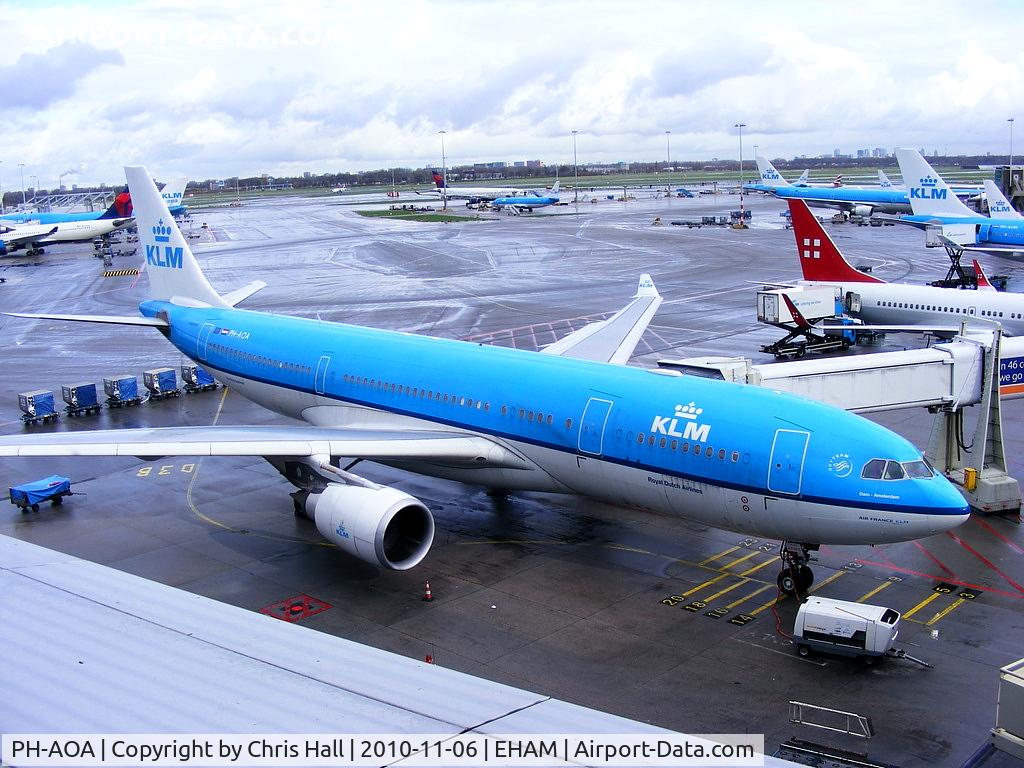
<point>645,616</point>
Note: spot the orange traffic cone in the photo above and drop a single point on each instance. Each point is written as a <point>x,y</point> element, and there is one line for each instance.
<point>427,594</point>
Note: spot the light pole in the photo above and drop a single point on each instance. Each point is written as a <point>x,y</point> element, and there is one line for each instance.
<point>21,167</point>
<point>668,159</point>
<point>35,185</point>
<point>741,126</point>
<point>575,172</point>
<point>1011,121</point>
<point>444,176</point>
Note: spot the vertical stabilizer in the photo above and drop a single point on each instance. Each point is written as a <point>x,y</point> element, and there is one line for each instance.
<point>929,195</point>
<point>998,206</point>
<point>802,181</point>
<point>983,283</point>
<point>173,192</point>
<point>174,273</point>
<point>820,260</point>
<point>769,175</point>
<point>883,180</point>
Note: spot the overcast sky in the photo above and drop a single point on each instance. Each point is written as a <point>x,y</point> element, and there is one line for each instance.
<point>211,89</point>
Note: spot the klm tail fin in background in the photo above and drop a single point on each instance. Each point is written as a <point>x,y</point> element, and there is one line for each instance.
<point>173,192</point>
<point>929,194</point>
<point>883,180</point>
<point>998,206</point>
<point>802,181</point>
<point>768,173</point>
<point>174,273</point>
<point>554,188</point>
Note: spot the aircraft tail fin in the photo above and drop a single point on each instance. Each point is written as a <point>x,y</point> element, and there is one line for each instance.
<point>438,180</point>
<point>838,181</point>
<point>883,180</point>
<point>820,259</point>
<point>929,194</point>
<point>768,173</point>
<point>554,188</point>
<point>798,318</point>
<point>174,273</point>
<point>998,206</point>
<point>121,208</point>
<point>173,192</point>
<point>983,283</point>
<point>802,181</point>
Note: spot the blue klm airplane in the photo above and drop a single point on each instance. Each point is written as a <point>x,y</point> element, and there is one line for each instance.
<point>527,201</point>
<point>935,205</point>
<point>173,193</point>
<point>571,419</point>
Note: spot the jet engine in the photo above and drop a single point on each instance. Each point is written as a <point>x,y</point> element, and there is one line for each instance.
<point>862,210</point>
<point>379,525</point>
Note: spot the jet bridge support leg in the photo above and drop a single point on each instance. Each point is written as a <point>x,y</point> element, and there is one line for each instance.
<point>985,481</point>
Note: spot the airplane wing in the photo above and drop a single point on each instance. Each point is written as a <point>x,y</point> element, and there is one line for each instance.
<point>396,445</point>
<point>613,340</point>
<point>18,237</point>
<point>996,250</point>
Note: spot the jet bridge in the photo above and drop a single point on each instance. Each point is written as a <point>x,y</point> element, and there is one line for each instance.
<point>978,367</point>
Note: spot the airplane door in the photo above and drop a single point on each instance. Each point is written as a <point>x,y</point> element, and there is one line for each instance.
<point>785,473</point>
<point>320,380</point>
<point>204,337</point>
<point>592,424</point>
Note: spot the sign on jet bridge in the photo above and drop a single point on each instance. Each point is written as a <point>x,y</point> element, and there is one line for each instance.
<point>1011,376</point>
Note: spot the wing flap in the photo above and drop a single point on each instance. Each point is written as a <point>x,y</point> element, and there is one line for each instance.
<point>613,340</point>
<point>395,445</point>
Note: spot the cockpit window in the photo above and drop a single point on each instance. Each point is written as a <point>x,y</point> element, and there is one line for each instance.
<point>893,471</point>
<point>873,469</point>
<point>917,469</point>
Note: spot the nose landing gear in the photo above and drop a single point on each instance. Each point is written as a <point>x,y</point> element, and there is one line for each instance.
<point>796,576</point>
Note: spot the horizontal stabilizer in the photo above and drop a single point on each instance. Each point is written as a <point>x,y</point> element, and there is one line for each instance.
<point>152,322</point>
<point>237,296</point>
<point>382,445</point>
<point>613,340</point>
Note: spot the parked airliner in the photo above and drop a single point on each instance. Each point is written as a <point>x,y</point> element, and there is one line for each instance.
<point>121,208</point>
<point>571,419</point>
<point>935,205</point>
<point>34,236</point>
<point>878,302</point>
<point>473,195</point>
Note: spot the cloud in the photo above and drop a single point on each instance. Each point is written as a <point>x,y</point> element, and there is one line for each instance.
<point>37,80</point>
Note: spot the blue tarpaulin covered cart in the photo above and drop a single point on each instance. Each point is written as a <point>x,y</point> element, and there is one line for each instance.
<point>53,489</point>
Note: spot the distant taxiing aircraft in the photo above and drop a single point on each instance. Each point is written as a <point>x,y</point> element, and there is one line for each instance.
<point>474,194</point>
<point>880,303</point>
<point>527,201</point>
<point>936,206</point>
<point>571,419</point>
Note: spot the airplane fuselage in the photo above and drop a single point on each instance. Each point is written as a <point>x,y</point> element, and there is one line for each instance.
<point>848,198</point>
<point>726,455</point>
<point>896,304</point>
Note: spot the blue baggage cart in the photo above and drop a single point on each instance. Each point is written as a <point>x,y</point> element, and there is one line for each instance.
<point>121,390</point>
<point>80,398</point>
<point>30,495</point>
<point>161,383</point>
<point>196,378</point>
<point>37,406</point>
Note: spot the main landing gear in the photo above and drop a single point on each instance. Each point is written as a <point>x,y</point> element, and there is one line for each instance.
<point>796,576</point>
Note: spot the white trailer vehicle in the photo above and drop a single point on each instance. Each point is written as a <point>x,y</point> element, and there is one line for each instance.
<point>845,628</point>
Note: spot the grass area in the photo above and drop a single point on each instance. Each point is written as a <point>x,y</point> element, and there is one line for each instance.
<point>415,216</point>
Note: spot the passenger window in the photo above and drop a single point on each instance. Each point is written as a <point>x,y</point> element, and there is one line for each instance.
<point>709,451</point>
<point>894,471</point>
<point>873,469</point>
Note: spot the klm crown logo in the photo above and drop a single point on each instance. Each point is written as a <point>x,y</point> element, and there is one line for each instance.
<point>928,189</point>
<point>690,411</point>
<point>161,232</point>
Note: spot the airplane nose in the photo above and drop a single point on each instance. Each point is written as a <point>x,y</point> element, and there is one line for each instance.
<point>951,509</point>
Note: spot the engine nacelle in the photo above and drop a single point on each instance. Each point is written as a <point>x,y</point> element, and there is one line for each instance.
<point>862,210</point>
<point>379,525</point>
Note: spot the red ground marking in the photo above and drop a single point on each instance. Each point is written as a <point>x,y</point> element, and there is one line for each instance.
<point>985,560</point>
<point>295,608</point>
<point>929,576</point>
<point>932,557</point>
<point>997,534</point>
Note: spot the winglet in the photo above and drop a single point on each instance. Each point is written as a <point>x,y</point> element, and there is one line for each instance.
<point>646,287</point>
<point>982,278</point>
<point>820,259</point>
